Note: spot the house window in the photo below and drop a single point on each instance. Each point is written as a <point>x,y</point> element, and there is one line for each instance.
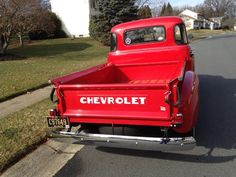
<point>144,35</point>
<point>180,35</point>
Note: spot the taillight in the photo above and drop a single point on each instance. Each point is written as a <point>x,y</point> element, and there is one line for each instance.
<point>53,112</point>
<point>167,97</point>
<point>173,98</point>
<point>177,96</point>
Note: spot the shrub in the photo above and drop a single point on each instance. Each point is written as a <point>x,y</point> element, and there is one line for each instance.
<point>52,31</point>
<point>111,13</point>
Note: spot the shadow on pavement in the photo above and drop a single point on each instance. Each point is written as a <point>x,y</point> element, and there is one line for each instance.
<point>204,158</point>
<point>216,126</point>
<point>217,121</point>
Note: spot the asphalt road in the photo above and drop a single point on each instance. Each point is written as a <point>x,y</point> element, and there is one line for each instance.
<point>215,154</point>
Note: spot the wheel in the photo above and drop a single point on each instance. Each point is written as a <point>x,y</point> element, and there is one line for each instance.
<point>194,132</point>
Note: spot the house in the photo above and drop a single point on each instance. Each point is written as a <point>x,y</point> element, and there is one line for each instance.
<point>217,22</point>
<point>75,15</point>
<point>234,25</point>
<point>192,19</point>
<point>195,20</point>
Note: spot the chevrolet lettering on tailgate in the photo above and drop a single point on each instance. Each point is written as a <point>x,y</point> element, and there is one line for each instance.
<point>112,100</point>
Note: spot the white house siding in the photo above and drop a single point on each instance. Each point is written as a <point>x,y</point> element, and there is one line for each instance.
<point>74,15</point>
<point>217,21</point>
<point>189,17</point>
<point>212,26</point>
<point>189,22</point>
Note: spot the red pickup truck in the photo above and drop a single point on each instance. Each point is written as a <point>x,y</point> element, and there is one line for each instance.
<point>144,97</point>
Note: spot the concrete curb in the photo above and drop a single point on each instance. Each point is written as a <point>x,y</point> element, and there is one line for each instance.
<point>23,101</point>
<point>14,95</point>
<point>45,161</point>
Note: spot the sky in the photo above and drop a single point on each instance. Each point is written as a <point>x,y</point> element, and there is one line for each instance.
<point>185,2</point>
<point>179,3</point>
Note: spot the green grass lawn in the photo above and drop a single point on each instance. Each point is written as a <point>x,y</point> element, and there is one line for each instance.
<point>203,33</point>
<point>45,60</point>
<point>20,131</point>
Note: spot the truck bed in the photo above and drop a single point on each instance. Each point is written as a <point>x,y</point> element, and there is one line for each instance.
<point>119,94</point>
<point>142,73</point>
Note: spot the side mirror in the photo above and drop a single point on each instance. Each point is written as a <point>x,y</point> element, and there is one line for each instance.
<point>190,37</point>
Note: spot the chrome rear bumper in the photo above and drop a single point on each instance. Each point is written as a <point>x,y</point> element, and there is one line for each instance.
<point>128,142</point>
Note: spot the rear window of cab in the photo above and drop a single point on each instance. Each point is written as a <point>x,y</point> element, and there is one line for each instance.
<point>144,35</point>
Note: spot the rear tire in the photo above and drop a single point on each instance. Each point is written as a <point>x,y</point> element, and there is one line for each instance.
<point>194,132</point>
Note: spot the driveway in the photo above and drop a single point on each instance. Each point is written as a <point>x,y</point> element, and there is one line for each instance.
<point>215,153</point>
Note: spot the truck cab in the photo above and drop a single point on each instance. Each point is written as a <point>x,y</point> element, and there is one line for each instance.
<point>144,97</point>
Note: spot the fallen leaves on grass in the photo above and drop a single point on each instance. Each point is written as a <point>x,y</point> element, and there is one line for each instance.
<point>21,131</point>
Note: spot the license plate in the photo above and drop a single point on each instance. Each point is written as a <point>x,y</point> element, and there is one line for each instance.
<point>58,122</point>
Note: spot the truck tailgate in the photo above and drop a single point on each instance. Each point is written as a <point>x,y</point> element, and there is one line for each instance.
<point>115,103</point>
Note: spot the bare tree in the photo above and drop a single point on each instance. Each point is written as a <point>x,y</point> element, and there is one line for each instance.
<point>39,20</point>
<point>46,4</point>
<point>220,7</point>
<point>142,3</point>
<point>145,12</point>
<point>6,27</point>
<point>157,6</point>
<point>18,17</point>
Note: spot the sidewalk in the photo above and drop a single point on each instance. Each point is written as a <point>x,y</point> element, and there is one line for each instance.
<point>48,158</point>
<point>23,101</point>
<point>45,161</point>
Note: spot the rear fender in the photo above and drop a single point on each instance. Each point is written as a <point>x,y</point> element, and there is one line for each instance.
<point>189,102</point>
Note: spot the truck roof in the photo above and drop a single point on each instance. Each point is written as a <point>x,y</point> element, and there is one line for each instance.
<point>163,21</point>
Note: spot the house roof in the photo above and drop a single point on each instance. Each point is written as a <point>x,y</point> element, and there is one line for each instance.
<point>217,18</point>
<point>181,15</point>
<point>189,13</point>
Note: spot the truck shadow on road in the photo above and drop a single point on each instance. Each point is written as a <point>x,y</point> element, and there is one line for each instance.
<point>217,121</point>
<point>216,126</point>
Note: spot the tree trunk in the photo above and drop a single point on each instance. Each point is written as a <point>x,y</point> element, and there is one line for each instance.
<point>4,44</point>
<point>21,42</point>
<point>3,48</point>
